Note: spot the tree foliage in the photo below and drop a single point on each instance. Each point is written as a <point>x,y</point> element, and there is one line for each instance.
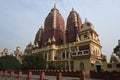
<point>55,66</point>
<point>9,62</point>
<point>33,61</point>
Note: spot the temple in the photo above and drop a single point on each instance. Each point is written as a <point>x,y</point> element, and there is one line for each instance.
<point>75,44</point>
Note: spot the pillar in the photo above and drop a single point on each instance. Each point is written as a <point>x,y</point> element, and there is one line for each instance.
<point>29,75</point>
<point>11,74</point>
<point>107,76</point>
<point>65,54</point>
<point>47,56</point>
<point>1,73</point>
<point>6,73</point>
<point>82,75</point>
<point>19,75</point>
<point>59,76</point>
<point>42,75</point>
<point>77,48</point>
<point>52,55</point>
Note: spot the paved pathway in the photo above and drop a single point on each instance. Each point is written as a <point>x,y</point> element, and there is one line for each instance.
<point>36,77</point>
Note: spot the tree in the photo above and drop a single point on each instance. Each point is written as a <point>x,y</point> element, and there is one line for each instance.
<point>55,66</point>
<point>33,61</point>
<point>9,62</point>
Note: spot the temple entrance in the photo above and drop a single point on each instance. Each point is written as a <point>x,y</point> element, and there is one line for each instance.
<point>98,66</point>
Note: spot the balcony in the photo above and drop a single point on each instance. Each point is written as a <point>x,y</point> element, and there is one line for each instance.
<point>80,53</point>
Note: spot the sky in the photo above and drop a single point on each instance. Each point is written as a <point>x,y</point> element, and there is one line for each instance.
<point>21,19</point>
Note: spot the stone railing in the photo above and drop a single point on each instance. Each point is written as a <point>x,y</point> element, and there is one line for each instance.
<point>58,75</point>
<point>28,75</point>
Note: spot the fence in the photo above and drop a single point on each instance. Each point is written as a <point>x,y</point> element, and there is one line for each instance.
<point>41,74</point>
<point>58,75</point>
<point>114,75</point>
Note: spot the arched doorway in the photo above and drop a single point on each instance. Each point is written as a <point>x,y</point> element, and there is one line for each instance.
<point>98,66</point>
<point>81,66</point>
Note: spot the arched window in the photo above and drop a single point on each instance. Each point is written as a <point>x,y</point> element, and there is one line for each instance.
<point>49,56</point>
<point>81,66</point>
<point>63,55</point>
<point>67,55</point>
<point>45,55</point>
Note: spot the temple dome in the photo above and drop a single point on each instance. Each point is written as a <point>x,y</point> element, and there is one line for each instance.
<point>54,25</point>
<point>54,20</point>
<point>117,48</point>
<point>74,18</point>
<point>73,26</point>
<point>114,58</point>
<point>39,37</point>
<point>87,25</point>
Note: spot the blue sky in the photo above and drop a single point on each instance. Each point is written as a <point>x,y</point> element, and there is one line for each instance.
<point>21,19</point>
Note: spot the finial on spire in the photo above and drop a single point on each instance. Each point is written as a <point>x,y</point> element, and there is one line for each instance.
<point>86,20</point>
<point>30,43</point>
<point>118,42</point>
<point>41,26</point>
<point>54,5</point>
<point>73,9</point>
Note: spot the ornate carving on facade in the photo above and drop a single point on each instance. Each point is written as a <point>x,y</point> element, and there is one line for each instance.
<point>115,57</point>
<point>5,51</point>
<point>18,53</point>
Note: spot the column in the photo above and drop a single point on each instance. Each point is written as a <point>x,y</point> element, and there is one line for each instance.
<point>19,75</point>
<point>6,73</point>
<point>1,73</point>
<point>42,75</point>
<point>77,48</point>
<point>47,55</point>
<point>29,76</point>
<point>65,54</point>
<point>59,76</point>
<point>52,55</point>
<point>82,75</point>
<point>11,75</point>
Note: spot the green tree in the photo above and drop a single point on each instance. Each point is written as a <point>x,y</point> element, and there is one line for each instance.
<point>33,61</point>
<point>9,62</point>
<point>55,66</point>
<point>51,65</point>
